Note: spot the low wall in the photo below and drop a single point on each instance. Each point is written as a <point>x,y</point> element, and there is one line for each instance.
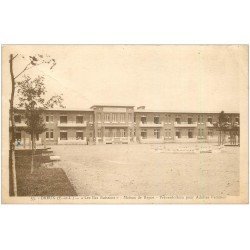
<point>72,142</point>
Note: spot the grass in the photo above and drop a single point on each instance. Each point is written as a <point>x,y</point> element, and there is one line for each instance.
<point>43,181</point>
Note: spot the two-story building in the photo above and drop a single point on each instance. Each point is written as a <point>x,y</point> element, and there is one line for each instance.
<point>110,124</point>
<point>154,126</point>
<point>63,127</point>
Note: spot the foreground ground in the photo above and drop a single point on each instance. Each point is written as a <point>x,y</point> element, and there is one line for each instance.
<point>142,170</point>
<point>43,181</point>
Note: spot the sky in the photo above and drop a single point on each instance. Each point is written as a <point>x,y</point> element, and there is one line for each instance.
<point>161,77</point>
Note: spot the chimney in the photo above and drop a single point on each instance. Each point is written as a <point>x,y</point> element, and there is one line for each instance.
<point>141,107</point>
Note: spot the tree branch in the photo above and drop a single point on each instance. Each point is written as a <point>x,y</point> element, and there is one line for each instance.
<point>26,68</point>
<point>14,57</point>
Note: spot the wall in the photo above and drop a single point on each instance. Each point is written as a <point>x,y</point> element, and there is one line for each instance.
<point>90,131</point>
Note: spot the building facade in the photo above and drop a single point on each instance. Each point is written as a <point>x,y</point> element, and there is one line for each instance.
<point>107,124</point>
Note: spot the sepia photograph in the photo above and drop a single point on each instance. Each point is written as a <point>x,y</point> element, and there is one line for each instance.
<point>124,124</point>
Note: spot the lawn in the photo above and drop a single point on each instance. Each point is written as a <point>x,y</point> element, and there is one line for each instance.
<point>43,181</point>
<point>141,170</point>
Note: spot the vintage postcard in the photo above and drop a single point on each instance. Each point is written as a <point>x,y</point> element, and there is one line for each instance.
<point>117,124</point>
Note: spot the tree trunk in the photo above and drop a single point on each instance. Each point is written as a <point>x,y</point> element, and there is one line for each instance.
<point>220,138</point>
<point>32,152</point>
<point>12,165</point>
<point>239,136</point>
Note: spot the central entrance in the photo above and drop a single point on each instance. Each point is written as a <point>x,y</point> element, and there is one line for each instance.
<point>116,135</point>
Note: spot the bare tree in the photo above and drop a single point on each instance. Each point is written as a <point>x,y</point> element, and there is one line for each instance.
<point>33,61</point>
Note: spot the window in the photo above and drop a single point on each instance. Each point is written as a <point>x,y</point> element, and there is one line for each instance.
<point>209,119</point>
<point>51,134</point>
<point>129,117</point>
<point>114,118</point>
<point>63,135</point>
<point>79,135</point>
<point>52,118</point>
<point>157,133</point>
<point>178,120</point>
<point>178,134</point>
<point>17,119</point>
<point>122,131</point>
<point>144,134</point>
<point>210,133</point>
<point>190,134</point>
<point>106,117</point>
<point>131,133</point>
<point>99,117</point>
<point>156,120</point>
<point>143,119</point>
<point>199,119</point>
<point>110,133</point>
<point>63,119</point>
<point>122,117</point>
<point>190,120</point>
<point>237,119</point>
<point>18,136</point>
<point>79,119</point>
<point>91,118</point>
<point>106,133</point>
<point>47,118</point>
<point>99,134</point>
<point>114,133</point>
